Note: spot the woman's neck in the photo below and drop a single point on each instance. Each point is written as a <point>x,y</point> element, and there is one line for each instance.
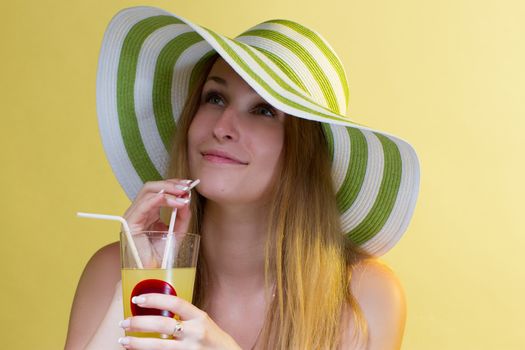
<point>233,240</point>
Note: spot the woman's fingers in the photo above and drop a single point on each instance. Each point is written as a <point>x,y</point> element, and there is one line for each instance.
<point>197,330</point>
<point>145,210</point>
<point>173,186</point>
<point>176,305</point>
<point>150,324</point>
<point>151,344</point>
<point>142,208</point>
<point>166,190</point>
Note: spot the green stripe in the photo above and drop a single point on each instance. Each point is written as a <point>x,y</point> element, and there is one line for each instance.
<point>286,69</point>
<point>239,61</point>
<point>355,175</point>
<point>306,58</point>
<point>327,51</point>
<point>329,140</point>
<point>198,68</point>
<point>386,197</point>
<point>275,76</point>
<point>125,89</point>
<point>162,107</point>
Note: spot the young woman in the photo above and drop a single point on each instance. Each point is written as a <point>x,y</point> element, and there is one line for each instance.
<point>294,199</point>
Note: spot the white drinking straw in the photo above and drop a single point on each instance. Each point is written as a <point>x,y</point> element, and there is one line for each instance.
<point>169,243</point>
<point>127,232</point>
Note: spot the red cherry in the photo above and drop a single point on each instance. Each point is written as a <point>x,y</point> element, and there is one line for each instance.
<point>151,286</point>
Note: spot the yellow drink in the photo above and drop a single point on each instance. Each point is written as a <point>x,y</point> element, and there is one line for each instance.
<point>180,278</point>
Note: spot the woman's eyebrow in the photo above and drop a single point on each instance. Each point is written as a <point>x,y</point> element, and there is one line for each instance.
<point>224,82</point>
<point>218,80</point>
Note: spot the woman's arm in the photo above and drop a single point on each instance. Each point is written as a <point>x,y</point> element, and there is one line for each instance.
<point>97,302</point>
<point>380,295</point>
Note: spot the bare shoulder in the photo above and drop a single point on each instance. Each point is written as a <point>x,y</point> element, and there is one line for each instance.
<point>381,298</point>
<point>102,268</point>
<point>101,273</point>
<point>372,277</point>
<point>94,293</point>
<point>108,256</point>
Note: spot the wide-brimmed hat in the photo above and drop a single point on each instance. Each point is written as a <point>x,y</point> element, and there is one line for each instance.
<point>150,59</point>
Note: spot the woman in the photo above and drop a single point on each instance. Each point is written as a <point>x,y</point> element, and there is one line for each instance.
<point>289,217</point>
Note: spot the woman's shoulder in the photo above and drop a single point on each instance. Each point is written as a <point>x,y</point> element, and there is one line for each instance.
<point>370,274</point>
<point>102,270</point>
<point>107,255</point>
<point>380,295</point>
<point>103,267</point>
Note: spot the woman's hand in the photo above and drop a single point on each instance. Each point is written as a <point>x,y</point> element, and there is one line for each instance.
<point>196,330</point>
<point>144,212</point>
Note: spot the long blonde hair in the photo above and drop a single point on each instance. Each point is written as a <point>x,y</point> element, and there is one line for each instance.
<point>308,260</point>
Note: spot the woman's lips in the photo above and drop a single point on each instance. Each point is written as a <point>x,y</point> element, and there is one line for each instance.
<point>221,158</point>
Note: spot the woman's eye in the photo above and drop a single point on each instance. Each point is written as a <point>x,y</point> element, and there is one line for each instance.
<point>267,111</point>
<point>214,99</point>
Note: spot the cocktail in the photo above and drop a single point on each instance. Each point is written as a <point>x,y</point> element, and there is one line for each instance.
<point>166,264</point>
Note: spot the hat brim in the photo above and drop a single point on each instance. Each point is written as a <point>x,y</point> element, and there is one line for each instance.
<point>148,61</point>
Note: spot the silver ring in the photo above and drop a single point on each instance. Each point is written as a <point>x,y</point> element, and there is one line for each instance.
<point>178,329</point>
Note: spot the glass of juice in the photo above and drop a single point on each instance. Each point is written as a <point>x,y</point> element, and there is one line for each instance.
<point>169,264</point>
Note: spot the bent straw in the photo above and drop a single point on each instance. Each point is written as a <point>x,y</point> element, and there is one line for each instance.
<point>169,243</point>
<point>127,232</point>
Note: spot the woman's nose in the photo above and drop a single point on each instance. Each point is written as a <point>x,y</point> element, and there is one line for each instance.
<point>227,125</point>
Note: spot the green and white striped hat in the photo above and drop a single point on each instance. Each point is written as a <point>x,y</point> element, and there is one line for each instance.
<point>150,58</point>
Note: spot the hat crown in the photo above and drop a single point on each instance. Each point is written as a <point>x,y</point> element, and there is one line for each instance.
<point>305,58</point>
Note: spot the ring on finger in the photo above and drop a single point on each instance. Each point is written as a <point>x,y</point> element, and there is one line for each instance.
<point>178,329</point>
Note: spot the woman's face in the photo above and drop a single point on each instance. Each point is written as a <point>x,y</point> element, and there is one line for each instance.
<point>235,140</point>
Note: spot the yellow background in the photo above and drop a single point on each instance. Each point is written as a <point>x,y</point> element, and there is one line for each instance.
<point>446,75</point>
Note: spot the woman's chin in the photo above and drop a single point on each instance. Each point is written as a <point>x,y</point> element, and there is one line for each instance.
<point>229,189</point>
<point>231,196</point>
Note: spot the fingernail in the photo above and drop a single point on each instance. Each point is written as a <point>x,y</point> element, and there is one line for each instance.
<point>161,192</point>
<point>176,201</point>
<point>138,300</point>
<point>123,341</point>
<point>182,200</point>
<point>182,188</point>
<point>187,181</point>
<point>124,323</point>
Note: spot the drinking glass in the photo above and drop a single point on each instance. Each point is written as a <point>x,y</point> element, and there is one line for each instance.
<point>169,264</point>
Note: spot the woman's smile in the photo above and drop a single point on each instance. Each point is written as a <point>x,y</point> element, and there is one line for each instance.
<point>221,157</point>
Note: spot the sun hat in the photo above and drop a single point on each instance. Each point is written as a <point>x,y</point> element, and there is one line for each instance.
<point>149,60</point>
